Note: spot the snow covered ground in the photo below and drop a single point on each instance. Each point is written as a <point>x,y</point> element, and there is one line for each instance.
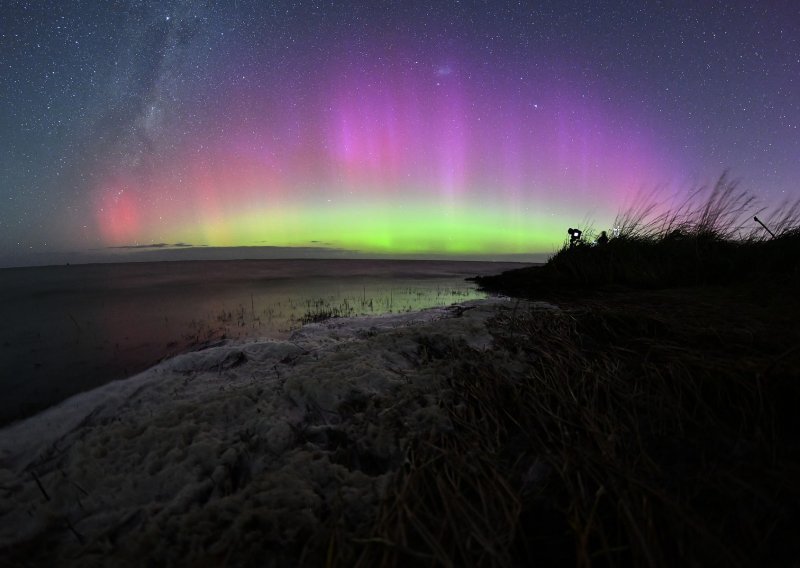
<point>239,450</point>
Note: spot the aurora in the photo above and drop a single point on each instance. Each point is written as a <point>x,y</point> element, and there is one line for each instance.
<point>452,130</point>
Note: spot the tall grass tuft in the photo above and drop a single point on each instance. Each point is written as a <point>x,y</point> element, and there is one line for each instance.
<point>709,238</point>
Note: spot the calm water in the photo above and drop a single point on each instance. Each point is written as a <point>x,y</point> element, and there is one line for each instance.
<point>66,329</point>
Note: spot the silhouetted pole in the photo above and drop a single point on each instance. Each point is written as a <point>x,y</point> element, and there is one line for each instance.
<point>757,220</point>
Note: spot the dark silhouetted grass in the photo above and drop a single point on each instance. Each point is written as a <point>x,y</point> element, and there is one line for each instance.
<point>649,422</point>
<point>646,431</point>
<point>711,238</point>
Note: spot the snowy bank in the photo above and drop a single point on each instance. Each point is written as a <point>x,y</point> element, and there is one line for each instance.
<point>234,452</point>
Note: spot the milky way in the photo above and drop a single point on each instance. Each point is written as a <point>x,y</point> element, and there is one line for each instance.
<point>392,128</point>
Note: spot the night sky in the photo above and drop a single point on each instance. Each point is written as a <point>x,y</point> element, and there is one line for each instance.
<point>450,129</point>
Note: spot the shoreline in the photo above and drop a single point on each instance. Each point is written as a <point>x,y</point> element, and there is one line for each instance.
<point>70,329</point>
<point>283,419</point>
<point>583,424</point>
<point>215,354</point>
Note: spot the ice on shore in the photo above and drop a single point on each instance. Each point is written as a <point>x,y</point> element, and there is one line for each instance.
<point>241,448</point>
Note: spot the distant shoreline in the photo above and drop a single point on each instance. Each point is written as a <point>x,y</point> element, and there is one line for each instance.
<point>247,254</point>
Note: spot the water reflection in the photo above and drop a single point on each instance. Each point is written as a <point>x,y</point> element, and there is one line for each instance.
<point>69,329</point>
<point>276,311</point>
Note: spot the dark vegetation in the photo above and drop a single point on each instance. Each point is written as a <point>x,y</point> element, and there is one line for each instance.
<point>637,434</point>
<point>652,421</point>
<point>707,240</point>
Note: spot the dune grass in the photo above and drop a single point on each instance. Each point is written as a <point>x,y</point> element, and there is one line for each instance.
<point>637,434</point>
<point>649,422</point>
<point>710,238</point>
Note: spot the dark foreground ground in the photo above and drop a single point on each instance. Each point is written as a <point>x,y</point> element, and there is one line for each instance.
<point>634,425</point>
<point>647,427</point>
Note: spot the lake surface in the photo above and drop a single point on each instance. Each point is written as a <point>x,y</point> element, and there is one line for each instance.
<point>67,329</point>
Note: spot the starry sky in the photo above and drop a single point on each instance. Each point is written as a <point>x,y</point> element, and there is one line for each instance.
<point>452,129</point>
